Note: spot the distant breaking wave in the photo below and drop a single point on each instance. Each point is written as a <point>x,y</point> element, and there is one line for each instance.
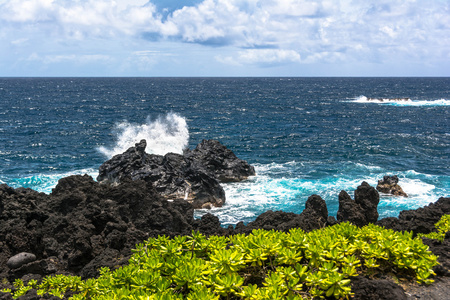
<point>402,101</point>
<point>166,134</point>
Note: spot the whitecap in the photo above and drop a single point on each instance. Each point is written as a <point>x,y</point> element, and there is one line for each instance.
<point>401,101</point>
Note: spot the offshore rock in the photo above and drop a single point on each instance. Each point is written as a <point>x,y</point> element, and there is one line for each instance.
<point>216,160</point>
<point>389,185</point>
<point>361,211</point>
<point>172,175</point>
<point>193,176</point>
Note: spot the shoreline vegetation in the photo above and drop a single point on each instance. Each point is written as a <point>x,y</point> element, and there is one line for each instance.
<point>91,240</point>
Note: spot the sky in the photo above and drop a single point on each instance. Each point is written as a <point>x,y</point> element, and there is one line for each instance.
<point>224,38</point>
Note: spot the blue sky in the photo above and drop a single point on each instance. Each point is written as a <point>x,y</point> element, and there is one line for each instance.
<point>225,38</point>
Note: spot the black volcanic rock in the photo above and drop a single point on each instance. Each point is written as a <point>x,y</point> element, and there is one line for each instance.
<point>420,220</point>
<point>314,216</point>
<point>81,219</point>
<point>84,225</point>
<point>216,160</point>
<point>389,185</point>
<point>361,211</point>
<point>193,176</point>
<point>367,289</point>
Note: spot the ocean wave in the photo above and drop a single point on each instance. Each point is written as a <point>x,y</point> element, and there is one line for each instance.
<point>166,134</point>
<point>287,186</point>
<point>402,101</point>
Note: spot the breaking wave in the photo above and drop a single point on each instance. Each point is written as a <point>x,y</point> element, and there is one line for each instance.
<point>275,188</point>
<point>166,134</point>
<point>402,101</point>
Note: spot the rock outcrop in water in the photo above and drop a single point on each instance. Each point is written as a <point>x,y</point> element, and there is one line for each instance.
<point>389,185</point>
<point>194,176</point>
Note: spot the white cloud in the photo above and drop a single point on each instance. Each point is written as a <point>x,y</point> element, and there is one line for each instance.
<point>73,58</point>
<point>258,32</point>
<point>82,18</point>
<point>263,57</point>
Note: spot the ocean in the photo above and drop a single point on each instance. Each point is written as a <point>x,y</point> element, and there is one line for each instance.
<point>303,135</point>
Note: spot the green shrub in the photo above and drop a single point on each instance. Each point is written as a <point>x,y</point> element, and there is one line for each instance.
<point>442,226</point>
<point>262,265</point>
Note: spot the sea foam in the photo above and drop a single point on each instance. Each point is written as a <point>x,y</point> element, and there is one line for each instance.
<point>287,186</point>
<point>401,101</point>
<point>166,134</point>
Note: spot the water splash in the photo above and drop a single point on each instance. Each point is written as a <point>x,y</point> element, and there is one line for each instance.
<point>166,134</point>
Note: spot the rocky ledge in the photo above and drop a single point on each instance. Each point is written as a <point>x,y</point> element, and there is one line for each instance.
<point>194,176</point>
<point>84,225</point>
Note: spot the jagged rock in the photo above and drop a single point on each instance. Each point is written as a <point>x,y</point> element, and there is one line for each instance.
<point>389,185</point>
<point>350,211</point>
<point>80,220</point>
<point>216,160</point>
<point>20,259</point>
<point>420,220</point>
<point>314,216</point>
<point>361,211</point>
<point>193,176</point>
<point>83,225</point>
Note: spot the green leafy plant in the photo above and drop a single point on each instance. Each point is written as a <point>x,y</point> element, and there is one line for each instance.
<point>261,265</point>
<point>442,227</point>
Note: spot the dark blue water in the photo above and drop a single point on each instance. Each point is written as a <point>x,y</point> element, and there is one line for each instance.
<point>304,135</point>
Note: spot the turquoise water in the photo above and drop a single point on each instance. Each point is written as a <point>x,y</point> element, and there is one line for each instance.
<point>304,135</point>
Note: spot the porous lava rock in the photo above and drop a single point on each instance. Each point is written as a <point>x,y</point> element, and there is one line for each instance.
<point>419,220</point>
<point>389,185</point>
<point>362,210</point>
<point>376,289</point>
<point>82,221</point>
<point>194,176</point>
<point>84,225</point>
<point>216,160</point>
<point>314,216</point>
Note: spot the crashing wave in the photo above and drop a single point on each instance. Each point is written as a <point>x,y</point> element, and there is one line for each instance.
<point>166,134</point>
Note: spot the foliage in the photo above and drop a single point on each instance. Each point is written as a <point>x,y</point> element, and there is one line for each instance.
<point>261,265</point>
<point>442,226</point>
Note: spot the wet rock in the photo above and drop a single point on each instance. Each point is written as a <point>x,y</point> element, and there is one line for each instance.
<point>216,160</point>
<point>20,259</point>
<point>176,176</point>
<point>389,185</point>
<point>361,211</point>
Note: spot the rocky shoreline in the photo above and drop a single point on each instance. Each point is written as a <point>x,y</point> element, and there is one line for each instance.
<point>86,224</point>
